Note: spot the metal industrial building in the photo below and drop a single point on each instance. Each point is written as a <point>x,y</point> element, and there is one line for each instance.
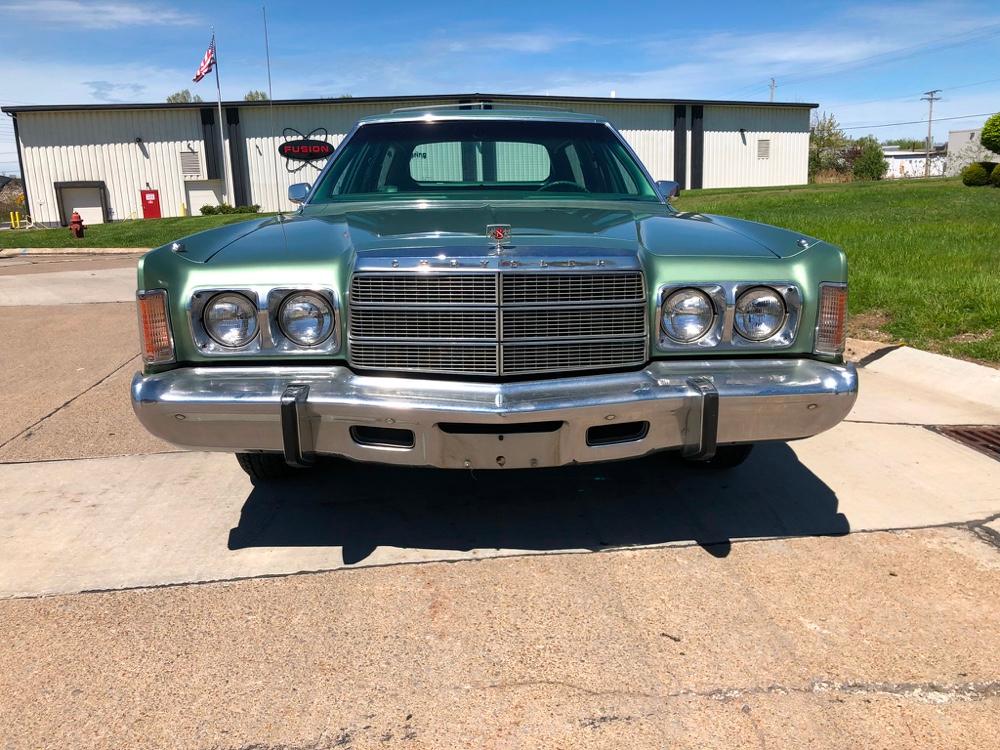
<point>125,161</point>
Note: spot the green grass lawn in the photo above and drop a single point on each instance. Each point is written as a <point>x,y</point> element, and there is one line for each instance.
<point>924,257</point>
<point>136,233</point>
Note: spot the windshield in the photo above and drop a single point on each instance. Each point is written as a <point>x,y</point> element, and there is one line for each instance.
<point>477,158</point>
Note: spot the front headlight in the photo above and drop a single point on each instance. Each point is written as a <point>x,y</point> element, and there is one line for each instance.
<point>306,318</point>
<point>231,319</point>
<point>760,313</point>
<point>687,315</point>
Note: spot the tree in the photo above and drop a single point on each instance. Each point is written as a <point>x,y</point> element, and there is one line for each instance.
<point>869,162</point>
<point>990,137</point>
<point>255,95</point>
<point>906,144</point>
<point>826,145</point>
<point>184,96</point>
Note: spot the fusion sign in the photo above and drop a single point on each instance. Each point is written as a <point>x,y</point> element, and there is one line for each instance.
<point>305,149</point>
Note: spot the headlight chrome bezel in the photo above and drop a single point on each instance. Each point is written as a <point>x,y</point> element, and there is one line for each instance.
<point>270,338</point>
<point>330,313</point>
<point>682,295</point>
<point>238,298</point>
<point>723,335</point>
<point>739,330</point>
<point>713,335</point>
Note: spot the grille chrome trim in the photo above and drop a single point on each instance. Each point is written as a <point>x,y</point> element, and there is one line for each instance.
<point>498,322</point>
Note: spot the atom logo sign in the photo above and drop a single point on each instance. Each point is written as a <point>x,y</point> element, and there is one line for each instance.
<point>301,149</point>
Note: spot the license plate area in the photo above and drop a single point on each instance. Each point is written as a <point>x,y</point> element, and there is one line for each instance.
<point>501,446</point>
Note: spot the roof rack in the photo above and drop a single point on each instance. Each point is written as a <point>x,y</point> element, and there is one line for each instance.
<point>479,105</point>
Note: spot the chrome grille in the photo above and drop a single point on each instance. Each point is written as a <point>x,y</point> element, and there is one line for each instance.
<point>583,355</point>
<point>497,322</point>
<point>424,289</point>
<point>375,323</point>
<point>546,323</point>
<point>477,360</point>
<point>570,288</point>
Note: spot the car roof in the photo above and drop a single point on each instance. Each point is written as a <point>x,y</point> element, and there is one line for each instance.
<point>480,111</point>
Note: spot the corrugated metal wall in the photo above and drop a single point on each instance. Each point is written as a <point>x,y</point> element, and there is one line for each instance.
<point>82,145</point>
<point>87,146</point>
<point>731,157</point>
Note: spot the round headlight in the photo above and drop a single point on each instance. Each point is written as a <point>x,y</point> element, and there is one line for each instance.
<point>231,319</point>
<point>687,315</point>
<point>306,318</point>
<point>760,312</point>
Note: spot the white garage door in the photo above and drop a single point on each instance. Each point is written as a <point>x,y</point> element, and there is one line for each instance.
<point>85,200</point>
<point>203,193</point>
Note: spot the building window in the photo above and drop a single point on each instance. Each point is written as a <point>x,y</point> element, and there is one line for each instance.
<point>764,148</point>
<point>190,163</point>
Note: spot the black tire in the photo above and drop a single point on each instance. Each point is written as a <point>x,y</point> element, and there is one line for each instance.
<point>264,467</point>
<point>726,457</point>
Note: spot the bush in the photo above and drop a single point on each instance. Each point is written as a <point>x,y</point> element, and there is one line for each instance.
<point>995,176</point>
<point>990,137</point>
<point>974,175</point>
<point>869,163</point>
<point>225,208</point>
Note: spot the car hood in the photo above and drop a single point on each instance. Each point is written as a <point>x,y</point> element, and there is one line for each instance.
<point>381,228</point>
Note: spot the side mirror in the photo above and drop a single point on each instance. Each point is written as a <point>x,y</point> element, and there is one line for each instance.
<point>298,192</point>
<point>668,188</point>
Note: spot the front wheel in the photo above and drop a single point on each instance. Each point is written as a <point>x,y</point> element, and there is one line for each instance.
<point>726,457</point>
<point>264,467</point>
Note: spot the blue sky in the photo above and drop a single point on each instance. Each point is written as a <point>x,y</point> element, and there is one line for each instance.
<point>865,62</point>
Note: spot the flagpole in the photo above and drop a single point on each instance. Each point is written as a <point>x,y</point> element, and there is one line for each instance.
<point>222,132</point>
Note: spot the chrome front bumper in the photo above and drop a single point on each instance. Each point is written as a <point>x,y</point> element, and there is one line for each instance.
<point>302,411</point>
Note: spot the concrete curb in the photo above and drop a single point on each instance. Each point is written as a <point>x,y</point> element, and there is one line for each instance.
<point>16,252</point>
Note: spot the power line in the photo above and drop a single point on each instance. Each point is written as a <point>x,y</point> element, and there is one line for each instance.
<point>910,95</point>
<point>920,122</point>
<point>892,55</point>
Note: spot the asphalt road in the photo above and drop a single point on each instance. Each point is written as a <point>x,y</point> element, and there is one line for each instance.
<point>839,591</point>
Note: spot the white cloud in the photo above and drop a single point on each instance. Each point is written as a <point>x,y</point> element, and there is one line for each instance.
<point>98,15</point>
<point>525,42</point>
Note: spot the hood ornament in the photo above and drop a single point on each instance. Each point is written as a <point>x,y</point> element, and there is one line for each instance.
<point>500,234</point>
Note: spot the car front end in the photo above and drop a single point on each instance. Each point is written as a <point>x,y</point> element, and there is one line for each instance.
<point>422,325</point>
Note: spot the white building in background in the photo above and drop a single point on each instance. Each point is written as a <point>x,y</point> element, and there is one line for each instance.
<point>964,148</point>
<point>126,161</point>
<point>904,164</point>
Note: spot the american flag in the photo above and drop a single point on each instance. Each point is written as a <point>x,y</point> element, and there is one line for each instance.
<point>207,62</point>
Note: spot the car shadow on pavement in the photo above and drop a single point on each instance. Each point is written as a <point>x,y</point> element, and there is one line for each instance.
<point>653,500</point>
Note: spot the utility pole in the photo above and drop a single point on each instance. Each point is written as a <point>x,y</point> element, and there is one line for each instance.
<point>930,97</point>
<point>773,84</point>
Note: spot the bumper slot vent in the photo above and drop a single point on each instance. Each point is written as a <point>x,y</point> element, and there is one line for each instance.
<point>611,434</point>
<point>382,437</point>
<point>472,428</point>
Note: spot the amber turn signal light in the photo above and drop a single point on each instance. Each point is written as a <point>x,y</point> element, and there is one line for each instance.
<point>831,323</point>
<point>154,327</point>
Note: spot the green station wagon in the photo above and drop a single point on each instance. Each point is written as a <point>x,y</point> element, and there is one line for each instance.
<point>490,288</point>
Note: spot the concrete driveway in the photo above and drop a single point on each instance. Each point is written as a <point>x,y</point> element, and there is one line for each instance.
<point>843,590</point>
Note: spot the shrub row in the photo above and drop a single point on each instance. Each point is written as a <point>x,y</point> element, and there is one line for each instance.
<point>225,208</point>
<point>981,173</point>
